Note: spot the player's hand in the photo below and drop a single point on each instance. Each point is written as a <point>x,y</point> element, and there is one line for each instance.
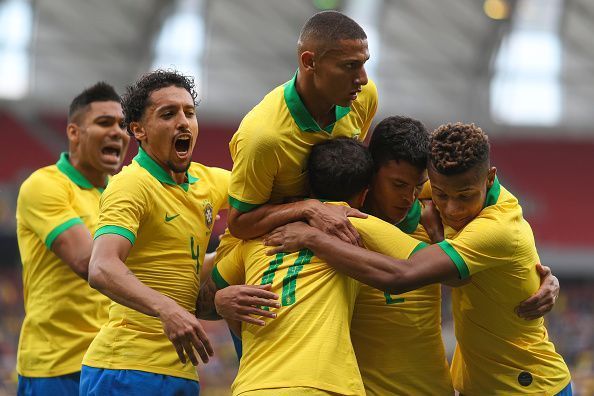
<point>289,238</point>
<point>431,221</point>
<point>241,301</point>
<point>544,299</point>
<point>185,333</point>
<point>333,220</point>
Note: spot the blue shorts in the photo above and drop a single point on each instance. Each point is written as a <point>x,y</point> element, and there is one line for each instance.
<point>106,382</point>
<point>62,385</point>
<point>566,391</point>
<point>237,344</point>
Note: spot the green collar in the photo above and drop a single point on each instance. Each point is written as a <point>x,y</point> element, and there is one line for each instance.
<point>410,223</point>
<point>493,193</point>
<point>73,174</point>
<point>302,117</point>
<point>144,160</point>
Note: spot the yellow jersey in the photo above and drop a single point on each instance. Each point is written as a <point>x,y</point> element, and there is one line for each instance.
<point>271,146</point>
<point>499,353</point>
<point>308,343</point>
<point>62,313</point>
<point>397,338</point>
<point>169,226</point>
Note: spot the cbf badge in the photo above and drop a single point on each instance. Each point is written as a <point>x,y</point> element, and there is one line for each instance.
<point>208,215</point>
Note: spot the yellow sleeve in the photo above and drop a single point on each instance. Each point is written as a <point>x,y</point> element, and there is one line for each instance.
<point>371,109</point>
<point>255,165</point>
<point>221,184</point>
<point>122,207</point>
<point>385,238</point>
<point>230,270</point>
<point>486,242</point>
<point>45,206</point>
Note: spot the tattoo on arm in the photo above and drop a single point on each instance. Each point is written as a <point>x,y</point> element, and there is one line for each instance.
<point>205,307</point>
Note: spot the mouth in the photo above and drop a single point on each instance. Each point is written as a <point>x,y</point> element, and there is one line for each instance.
<point>354,93</point>
<point>182,143</point>
<point>110,153</point>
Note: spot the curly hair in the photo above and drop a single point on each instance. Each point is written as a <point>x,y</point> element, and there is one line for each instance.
<point>455,148</point>
<point>400,138</point>
<point>339,169</point>
<point>136,99</point>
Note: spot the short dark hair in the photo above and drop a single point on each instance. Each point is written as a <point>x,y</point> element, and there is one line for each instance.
<point>339,169</point>
<point>331,26</point>
<point>456,148</point>
<point>136,99</point>
<point>400,138</point>
<point>100,92</point>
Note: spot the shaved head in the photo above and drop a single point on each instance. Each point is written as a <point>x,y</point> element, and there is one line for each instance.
<point>325,28</point>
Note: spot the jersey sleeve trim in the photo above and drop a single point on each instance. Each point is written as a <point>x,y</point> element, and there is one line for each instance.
<point>218,279</point>
<point>420,246</point>
<point>242,206</point>
<point>456,258</point>
<point>51,237</point>
<point>113,229</point>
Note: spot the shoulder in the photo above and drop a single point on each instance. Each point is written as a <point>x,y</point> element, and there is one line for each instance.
<point>45,182</point>
<point>209,173</point>
<point>131,179</point>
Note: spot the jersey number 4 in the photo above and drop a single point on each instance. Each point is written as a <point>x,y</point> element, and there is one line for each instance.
<point>290,280</point>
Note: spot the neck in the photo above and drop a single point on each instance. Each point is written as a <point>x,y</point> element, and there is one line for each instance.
<point>97,178</point>
<point>322,111</point>
<point>179,178</point>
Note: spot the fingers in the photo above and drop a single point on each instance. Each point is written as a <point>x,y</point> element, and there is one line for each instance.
<point>543,270</point>
<point>351,212</point>
<point>180,351</point>
<point>190,351</point>
<point>202,343</point>
<point>275,250</point>
<point>250,320</point>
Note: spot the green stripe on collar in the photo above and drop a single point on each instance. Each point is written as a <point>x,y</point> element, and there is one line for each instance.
<point>72,173</point>
<point>411,221</point>
<point>301,115</point>
<point>493,193</point>
<point>145,161</point>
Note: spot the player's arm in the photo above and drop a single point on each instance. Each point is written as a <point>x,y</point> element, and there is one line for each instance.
<point>427,266</point>
<point>73,247</point>
<point>543,301</point>
<point>332,219</point>
<point>109,275</point>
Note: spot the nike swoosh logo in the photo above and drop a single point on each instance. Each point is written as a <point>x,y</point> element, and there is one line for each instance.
<point>169,218</point>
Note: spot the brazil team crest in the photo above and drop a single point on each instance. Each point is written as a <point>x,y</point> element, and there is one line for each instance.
<point>208,214</point>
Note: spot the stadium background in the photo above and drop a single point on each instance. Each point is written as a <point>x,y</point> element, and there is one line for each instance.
<point>523,70</point>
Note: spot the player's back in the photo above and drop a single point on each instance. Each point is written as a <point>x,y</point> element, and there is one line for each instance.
<point>308,344</point>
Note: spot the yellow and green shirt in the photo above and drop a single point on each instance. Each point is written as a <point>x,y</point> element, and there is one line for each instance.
<point>271,146</point>
<point>62,313</point>
<point>169,226</point>
<point>308,343</point>
<point>499,353</point>
<point>397,338</point>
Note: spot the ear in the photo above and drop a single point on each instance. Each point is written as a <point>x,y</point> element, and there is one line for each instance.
<point>491,176</point>
<point>360,198</point>
<point>138,131</point>
<point>73,133</point>
<point>306,58</point>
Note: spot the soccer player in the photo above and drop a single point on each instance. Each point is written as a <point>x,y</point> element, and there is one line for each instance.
<point>155,221</point>
<point>306,350</point>
<point>57,210</point>
<point>487,240</point>
<point>329,96</point>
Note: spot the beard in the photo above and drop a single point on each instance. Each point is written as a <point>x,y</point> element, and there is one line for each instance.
<point>179,169</point>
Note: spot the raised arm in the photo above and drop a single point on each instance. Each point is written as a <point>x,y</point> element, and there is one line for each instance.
<point>109,275</point>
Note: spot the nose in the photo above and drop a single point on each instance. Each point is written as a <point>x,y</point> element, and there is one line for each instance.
<point>118,131</point>
<point>361,78</point>
<point>454,210</point>
<point>408,196</point>
<point>182,121</point>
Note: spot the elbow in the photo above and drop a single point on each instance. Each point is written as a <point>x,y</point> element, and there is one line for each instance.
<point>96,277</point>
<point>394,283</point>
<point>81,268</point>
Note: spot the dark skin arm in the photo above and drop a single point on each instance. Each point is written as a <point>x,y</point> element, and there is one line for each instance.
<point>73,247</point>
<point>109,275</point>
<point>328,218</point>
<point>428,266</point>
